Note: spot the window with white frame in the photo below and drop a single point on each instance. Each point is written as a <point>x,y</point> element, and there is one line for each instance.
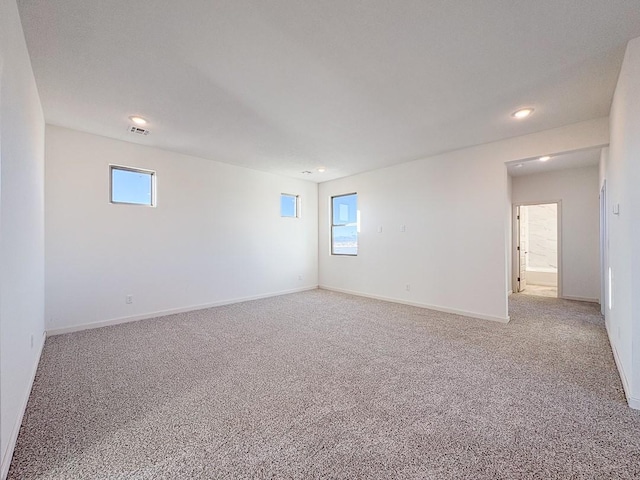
<point>289,205</point>
<point>344,224</point>
<point>132,186</point>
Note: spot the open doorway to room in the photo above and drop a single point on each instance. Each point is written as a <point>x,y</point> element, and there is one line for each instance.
<point>565,261</point>
<point>536,249</point>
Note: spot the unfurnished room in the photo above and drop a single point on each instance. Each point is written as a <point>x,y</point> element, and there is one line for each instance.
<point>319,239</point>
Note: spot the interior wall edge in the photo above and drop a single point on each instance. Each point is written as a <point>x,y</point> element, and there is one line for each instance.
<point>216,234</point>
<point>632,401</point>
<point>146,316</point>
<point>464,313</point>
<point>580,299</point>
<point>7,455</point>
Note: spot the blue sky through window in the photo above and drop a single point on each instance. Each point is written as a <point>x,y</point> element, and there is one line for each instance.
<point>129,186</point>
<point>345,209</point>
<point>288,205</point>
<point>344,229</point>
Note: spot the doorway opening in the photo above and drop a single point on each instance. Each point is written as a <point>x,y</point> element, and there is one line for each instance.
<point>537,249</point>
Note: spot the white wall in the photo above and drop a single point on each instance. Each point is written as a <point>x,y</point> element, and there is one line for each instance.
<point>455,248</point>
<point>577,188</point>
<point>622,171</point>
<point>21,228</point>
<point>216,234</point>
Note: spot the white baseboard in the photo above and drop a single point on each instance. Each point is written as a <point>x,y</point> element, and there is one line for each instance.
<point>173,311</point>
<point>581,299</point>
<point>421,305</point>
<point>510,292</point>
<point>15,431</point>
<point>632,401</point>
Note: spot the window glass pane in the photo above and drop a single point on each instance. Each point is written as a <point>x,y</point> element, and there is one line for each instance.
<point>130,186</point>
<point>345,240</point>
<point>288,205</point>
<point>345,209</point>
<point>344,227</point>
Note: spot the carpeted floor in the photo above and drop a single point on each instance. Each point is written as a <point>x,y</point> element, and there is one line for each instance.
<point>325,385</point>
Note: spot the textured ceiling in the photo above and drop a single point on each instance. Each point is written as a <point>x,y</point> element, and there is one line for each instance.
<point>286,86</point>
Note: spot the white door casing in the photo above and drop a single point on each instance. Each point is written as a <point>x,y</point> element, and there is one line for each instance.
<point>522,248</point>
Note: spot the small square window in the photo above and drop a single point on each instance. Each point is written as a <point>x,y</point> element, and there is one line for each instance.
<point>132,186</point>
<point>289,205</point>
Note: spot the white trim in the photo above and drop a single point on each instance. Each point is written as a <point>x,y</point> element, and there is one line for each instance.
<point>604,246</point>
<point>509,292</point>
<point>163,313</point>
<point>632,401</point>
<point>560,247</point>
<point>464,313</point>
<point>515,237</point>
<point>15,431</point>
<point>580,299</point>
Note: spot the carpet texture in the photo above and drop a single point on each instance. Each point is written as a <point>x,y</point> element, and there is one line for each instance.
<point>324,385</point>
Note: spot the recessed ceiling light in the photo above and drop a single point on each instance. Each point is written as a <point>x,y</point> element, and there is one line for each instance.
<point>138,120</point>
<point>522,113</point>
<point>322,169</point>
<point>545,158</point>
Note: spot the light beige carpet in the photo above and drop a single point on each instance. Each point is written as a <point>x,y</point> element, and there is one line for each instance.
<point>325,385</point>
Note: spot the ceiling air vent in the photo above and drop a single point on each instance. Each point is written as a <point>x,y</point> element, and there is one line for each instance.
<point>138,130</point>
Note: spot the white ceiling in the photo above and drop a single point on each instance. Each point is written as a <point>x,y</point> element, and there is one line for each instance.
<point>577,159</point>
<point>286,86</point>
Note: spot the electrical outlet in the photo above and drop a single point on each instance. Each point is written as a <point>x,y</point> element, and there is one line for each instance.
<point>31,340</point>
<point>380,229</point>
<point>299,277</point>
<point>403,228</point>
<point>128,299</point>
<point>407,287</point>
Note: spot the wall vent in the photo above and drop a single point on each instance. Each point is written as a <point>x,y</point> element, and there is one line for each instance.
<point>138,130</point>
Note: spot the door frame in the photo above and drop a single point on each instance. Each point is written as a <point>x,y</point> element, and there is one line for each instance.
<point>604,250</point>
<point>515,262</point>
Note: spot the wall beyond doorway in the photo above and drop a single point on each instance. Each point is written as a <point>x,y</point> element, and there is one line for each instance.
<point>542,244</point>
